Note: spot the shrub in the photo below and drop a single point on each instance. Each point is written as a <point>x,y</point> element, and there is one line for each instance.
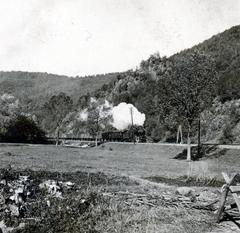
<point>24,130</point>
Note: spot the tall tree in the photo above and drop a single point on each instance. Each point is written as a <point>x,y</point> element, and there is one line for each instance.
<point>9,109</point>
<point>93,122</point>
<point>99,117</point>
<point>190,87</point>
<point>55,110</point>
<point>23,129</point>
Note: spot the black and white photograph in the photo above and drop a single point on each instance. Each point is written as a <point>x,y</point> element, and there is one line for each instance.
<point>119,116</point>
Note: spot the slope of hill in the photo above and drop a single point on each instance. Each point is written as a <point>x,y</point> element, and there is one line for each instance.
<point>39,87</point>
<point>143,87</point>
<point>224,48</point>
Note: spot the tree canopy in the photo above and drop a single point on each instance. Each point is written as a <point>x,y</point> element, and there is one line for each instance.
<point>191,86</point>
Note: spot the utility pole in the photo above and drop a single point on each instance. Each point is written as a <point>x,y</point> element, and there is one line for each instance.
<point>131,113</point>
<point>179,134</point>
<point>57,141</point>
<point>188,144</point>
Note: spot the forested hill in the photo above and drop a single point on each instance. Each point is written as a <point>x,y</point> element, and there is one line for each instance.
<point>202,82</point>
<point>36,88</point>
<point>224,48</point>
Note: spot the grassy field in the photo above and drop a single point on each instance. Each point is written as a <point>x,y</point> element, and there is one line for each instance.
<point>130,204</point>
<point>121,159</point>
<point>138,160</point>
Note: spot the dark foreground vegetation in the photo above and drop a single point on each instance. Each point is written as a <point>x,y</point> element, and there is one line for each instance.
<point>55,202</point>
<point>202,152</point>
<point>21,129</point>
<point>43,201</point>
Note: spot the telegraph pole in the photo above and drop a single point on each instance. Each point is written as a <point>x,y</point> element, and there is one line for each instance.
<point>179,134</point>
<point>131,113</point>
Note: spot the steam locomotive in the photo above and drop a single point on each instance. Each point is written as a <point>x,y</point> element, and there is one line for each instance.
<point>134,134</point>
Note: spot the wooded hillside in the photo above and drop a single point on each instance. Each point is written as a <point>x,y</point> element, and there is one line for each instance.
<point>205,74</point>
<point>202,82</point>
<point>39,87</point>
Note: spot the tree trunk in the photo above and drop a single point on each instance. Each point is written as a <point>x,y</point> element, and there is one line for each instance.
<point>188,146</point>
<point>181,135</point>
<point>57,141</point>
<point>96,141</point>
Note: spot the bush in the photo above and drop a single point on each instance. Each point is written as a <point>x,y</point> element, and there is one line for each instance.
<point>207,151</point>
<point>24,130</point>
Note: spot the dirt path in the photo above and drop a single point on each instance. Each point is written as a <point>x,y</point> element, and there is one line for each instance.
<point>208,193</point>
<point>234,147</point>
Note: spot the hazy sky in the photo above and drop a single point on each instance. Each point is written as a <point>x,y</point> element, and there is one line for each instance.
<point>78,37</point>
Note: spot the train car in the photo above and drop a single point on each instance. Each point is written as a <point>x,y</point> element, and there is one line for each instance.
<point>112,136</point>
<point>137,134</point>
<point>134,134</point>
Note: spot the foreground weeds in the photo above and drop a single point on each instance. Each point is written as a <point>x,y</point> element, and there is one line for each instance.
<point>88,202</point>
<point>188,181</point>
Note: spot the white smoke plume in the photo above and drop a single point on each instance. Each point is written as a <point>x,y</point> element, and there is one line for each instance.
<point>122,116</point>
<point>105,109</point>
<point>82,115</point>
<point>7,97</point>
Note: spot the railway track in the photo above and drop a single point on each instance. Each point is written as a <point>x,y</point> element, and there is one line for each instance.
<point>223,146</point>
